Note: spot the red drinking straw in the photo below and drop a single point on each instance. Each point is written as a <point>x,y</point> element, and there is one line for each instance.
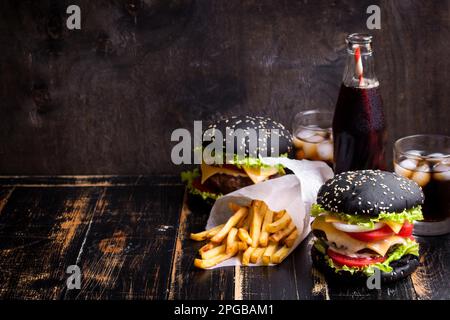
<point>359,66</point>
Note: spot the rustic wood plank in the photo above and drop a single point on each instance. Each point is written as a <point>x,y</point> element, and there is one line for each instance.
<point>128,251</point>
<point>186,281</point>
<point>5,193</point>
<point>41,231</point>
<point>267,283</point>
<point>431,280</point>
<point>292,279</point>
<point>87,181</point>
<point>311,284</point>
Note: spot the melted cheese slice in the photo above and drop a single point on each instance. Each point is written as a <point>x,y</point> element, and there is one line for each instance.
<point>395,226</point>
<point>255,174</point>
<point>208,171</point>
<point>259,174</point>
<point>330,219</point>
<point>353,245</point>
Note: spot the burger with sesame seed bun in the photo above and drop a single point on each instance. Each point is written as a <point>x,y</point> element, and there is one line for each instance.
<point>363,222</point>
<point>243,166</point>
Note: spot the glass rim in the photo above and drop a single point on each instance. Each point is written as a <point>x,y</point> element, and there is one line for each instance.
<point>359,38</point>
<point>310,112</point>
<point>425,135</point>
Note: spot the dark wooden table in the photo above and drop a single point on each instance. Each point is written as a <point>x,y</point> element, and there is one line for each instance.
<point>129,236</point>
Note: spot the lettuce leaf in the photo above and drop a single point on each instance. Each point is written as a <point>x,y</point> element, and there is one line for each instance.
<point>188,177</point>
<point>411,247</point>
<point>410,215</point>
<point>255,163</point>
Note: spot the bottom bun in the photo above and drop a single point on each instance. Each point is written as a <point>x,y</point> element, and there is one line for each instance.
<point>403,267</point>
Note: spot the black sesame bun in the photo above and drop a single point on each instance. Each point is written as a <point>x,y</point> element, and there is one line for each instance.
<point>276,129</point>
<point>234,176</point>
<point>369,192</point>
<point>402,268</point>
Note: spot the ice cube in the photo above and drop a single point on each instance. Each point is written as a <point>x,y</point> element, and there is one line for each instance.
<point>402,171</point>
<point>298,143</point>
<point>422,175</point>
<point>325,150</point>
<point>436,155</point>
<point>305,134</point>
<point>408,163</point>
<point>442,176</point>
<point>417,153</point>
<point>310,150</point>
<point>442,170</point>
<point>315,139</point>
<point>324,133</point>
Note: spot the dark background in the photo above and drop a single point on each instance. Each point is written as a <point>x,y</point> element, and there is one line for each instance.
<point>105,99</point>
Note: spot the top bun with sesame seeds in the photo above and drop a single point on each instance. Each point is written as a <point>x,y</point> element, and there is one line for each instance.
<point>266,130</point>
<point>242,165</point>
<point>369,192</point>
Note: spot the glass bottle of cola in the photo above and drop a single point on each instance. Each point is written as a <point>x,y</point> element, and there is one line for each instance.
<point>359,130</point>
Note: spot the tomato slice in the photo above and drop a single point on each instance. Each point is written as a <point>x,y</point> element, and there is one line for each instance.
<point>352,262</point>
<point>406,230</point>
<point>371,236</point>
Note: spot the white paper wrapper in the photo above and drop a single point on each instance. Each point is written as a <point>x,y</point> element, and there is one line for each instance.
<point>293,193</point>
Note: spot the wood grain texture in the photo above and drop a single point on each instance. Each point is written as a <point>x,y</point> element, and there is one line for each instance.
<point>188,282</point>
<point>105,99</point>
<point>41,231</point>
<point>431,280</point>
<point>128,251</point>
<point>131,241</point>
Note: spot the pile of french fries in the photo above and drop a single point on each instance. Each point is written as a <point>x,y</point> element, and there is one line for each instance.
<point>255,233</point>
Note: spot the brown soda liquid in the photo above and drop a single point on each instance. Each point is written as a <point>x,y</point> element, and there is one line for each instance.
<point>437,200</point>
<point>436,189</point>
<point>359,131</point>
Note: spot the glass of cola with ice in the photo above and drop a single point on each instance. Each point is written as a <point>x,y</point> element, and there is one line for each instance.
<point>313,138</point>
<point>426,160</point>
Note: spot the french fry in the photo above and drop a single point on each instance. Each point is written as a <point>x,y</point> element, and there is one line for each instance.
<point>246,256</point>
<point>264,237</point>
<point>201,236</point>
<point>231,240</point>
<point>206,247</point>
<point>277,236</point>
<point>289,241</point>
<point>213,252</point>
<point>244,236</point>
<point>204,264</point>
<point>242,246</point>
<point>249,218</point>
<point>267,256</point>
<point>281,223</point>
<point>213,231</point>
<point>257,255</point>
<point>277,215</point>
<point>254,207</point>
<point>243,222</point>
<point>233,206</point>
<point>259,210</point>
<point>280,255</point>
<point>246,222</point>
<point>261,234</point>
<point>229,224</point>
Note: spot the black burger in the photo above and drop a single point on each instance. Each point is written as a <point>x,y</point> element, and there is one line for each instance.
<point>243,166</point>
<point>363,222</point>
